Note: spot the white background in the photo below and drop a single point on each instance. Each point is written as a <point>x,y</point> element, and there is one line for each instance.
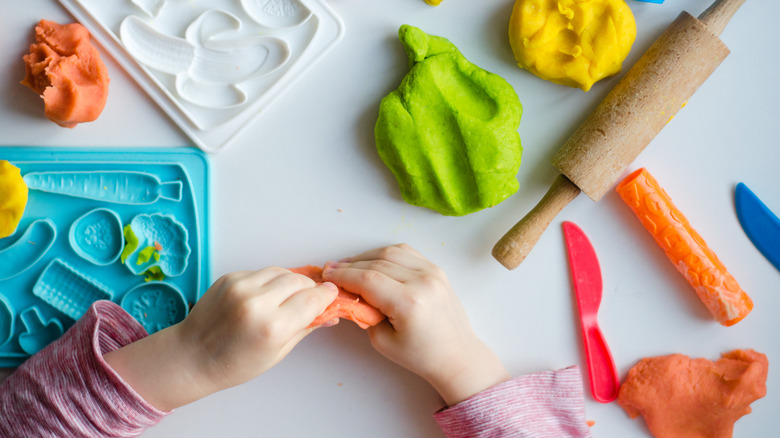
<point>304,185</point>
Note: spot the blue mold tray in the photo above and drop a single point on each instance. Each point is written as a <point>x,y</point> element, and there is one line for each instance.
<point>63,254</point>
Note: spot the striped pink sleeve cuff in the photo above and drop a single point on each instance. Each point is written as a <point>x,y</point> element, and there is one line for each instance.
<point>67,389</point>
<point>548,404</point>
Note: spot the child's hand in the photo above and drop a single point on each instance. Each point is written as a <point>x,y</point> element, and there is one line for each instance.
<point>427,330</point>
<point>242,326</point>
<point>248,321</point>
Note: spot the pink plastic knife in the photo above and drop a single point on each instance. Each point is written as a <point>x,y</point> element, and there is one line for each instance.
<point>586,277</point>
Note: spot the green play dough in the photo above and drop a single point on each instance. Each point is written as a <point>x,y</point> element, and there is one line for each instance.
<point>131,242</point>
<point>449,132</point>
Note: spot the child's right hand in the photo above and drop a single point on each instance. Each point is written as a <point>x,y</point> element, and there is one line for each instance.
<point>242,326</point>
<point>248,321</point>
<point>427,330</point>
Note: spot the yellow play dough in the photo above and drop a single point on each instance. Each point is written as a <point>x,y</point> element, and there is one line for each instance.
<point>13,197</point>
<point>433,2</point>
<point>571,42</point>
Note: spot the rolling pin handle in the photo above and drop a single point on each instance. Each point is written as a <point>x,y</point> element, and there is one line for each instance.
<point>517,243</point>
<point>717,16</point>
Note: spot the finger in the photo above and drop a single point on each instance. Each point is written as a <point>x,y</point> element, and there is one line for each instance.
<point>393,270</point>
<point>383,336</point>
<point>401,254</point>
<point>329,323</point>
<point>251,282</point>
<point>298,337</point>
<point>381,333</point>
<point>302,307</point>
<point>281,288</point>
<point>377,288</point>
<point>232,278</point>
<point>289,345</point>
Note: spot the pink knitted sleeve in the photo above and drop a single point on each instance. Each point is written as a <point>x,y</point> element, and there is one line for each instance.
<point>67,389</point>
<point>548,404</point>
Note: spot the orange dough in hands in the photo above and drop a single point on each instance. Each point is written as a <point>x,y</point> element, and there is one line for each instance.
<point>347,305</point>
<point>694,398</point>
<point>66,70</point>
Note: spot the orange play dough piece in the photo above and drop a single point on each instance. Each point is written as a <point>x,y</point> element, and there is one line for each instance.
<point>66,70</point>
<point>685,248</point>
<point>694,398</point>
<point>347,305</point>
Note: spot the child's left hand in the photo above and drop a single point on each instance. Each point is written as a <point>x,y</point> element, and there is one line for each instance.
<point>242,326</point>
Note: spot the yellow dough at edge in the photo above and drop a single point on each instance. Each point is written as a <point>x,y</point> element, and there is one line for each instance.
<point>13,198</point>
<point>571,42</point>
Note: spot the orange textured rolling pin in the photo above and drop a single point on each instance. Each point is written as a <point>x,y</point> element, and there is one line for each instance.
<point>717,289</point>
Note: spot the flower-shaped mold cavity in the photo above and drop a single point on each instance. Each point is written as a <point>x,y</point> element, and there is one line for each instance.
<point>211,61</point>
<point>68,290</point>
<point>97,236</point>
<point>6,321</point>
<point>159,240</point>
<point>37,332</point>
<point>277,13</point>
<point>25,252</point>
<point>155,305</point>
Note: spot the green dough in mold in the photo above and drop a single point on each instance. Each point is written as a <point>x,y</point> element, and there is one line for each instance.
<point>449,132</point>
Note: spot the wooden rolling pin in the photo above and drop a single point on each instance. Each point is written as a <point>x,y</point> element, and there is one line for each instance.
<point>627,120</point>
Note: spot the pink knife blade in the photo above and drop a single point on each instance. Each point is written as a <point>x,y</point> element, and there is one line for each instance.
<point>586,277</point>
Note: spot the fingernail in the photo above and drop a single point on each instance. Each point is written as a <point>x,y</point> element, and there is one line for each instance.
<point>330,286</point>
<point>346,260</point>
<point>330,323</point>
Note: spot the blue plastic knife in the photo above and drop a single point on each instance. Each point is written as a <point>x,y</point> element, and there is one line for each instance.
<point>760,224</point>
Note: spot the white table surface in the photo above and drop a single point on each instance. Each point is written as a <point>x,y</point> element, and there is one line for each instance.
<point>304,185</point>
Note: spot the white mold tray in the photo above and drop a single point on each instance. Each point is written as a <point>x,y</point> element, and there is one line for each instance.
<point>213,66</point>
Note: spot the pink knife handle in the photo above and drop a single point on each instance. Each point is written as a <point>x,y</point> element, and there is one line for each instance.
<point>604,383</point>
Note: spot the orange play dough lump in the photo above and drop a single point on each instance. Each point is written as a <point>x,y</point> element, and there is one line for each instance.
<point>66,70</point>
<point>694,398</point>
<point>347,305</point>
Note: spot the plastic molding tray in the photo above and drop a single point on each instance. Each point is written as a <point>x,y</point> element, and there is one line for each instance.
<point>68,248</point>
<point>212,66</point>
